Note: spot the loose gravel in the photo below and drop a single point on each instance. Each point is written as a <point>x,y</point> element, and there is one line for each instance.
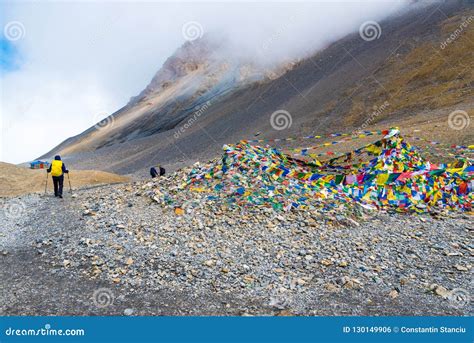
<point>120,250</point>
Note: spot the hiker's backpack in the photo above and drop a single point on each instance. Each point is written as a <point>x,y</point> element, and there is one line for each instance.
<point>57,168</point>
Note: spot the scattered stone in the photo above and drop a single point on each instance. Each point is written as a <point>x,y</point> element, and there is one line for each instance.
<point>457,253</point>
<point>88,213</point>
<point>393,294</point>
<point>128,312</point>
<point>331,287</point>
<point>461,268</point>
<point>284,313</point>
<point>439,290</point>
<point>210,263</point>
<point>348,282</point>
<point>301,282</point>
<point>326,262</point>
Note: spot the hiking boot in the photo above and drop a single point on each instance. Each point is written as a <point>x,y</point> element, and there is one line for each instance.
<point>60,196</point>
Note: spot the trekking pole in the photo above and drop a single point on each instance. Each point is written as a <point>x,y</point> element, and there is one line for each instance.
<point>46,183</point>
<point>70,188</point>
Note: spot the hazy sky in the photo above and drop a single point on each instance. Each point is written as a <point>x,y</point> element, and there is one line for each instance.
<point>66,65</point>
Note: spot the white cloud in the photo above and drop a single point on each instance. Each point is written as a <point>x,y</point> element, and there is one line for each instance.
<point>85,58</point>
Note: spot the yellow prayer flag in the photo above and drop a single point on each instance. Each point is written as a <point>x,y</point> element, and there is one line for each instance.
<point>382,179</point>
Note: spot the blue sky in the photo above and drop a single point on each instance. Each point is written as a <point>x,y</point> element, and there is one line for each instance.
<point>9,56</point>
<point>71,64</point>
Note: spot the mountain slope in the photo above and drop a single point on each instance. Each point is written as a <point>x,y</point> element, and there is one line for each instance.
<point>197,102</point>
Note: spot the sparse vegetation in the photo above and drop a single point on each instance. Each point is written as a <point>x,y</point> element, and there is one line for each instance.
<point>427,77</point>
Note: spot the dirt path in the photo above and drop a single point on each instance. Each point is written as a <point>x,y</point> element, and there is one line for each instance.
<point>15,181</point>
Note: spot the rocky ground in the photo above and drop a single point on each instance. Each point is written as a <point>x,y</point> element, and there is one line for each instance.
<point>114,250</point>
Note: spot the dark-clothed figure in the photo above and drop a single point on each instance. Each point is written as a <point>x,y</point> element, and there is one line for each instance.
<point>57,170</point>
<point>154,172</point>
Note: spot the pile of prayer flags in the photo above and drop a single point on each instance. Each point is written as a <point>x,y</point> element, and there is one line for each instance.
<point>386,174</point>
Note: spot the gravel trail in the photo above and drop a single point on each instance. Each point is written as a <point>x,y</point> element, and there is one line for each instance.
<point>113,250</point>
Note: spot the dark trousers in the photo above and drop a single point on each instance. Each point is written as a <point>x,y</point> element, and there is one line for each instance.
<point>58,182</point>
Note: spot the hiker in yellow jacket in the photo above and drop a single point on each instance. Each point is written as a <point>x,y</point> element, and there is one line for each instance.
<point>57,170</point>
